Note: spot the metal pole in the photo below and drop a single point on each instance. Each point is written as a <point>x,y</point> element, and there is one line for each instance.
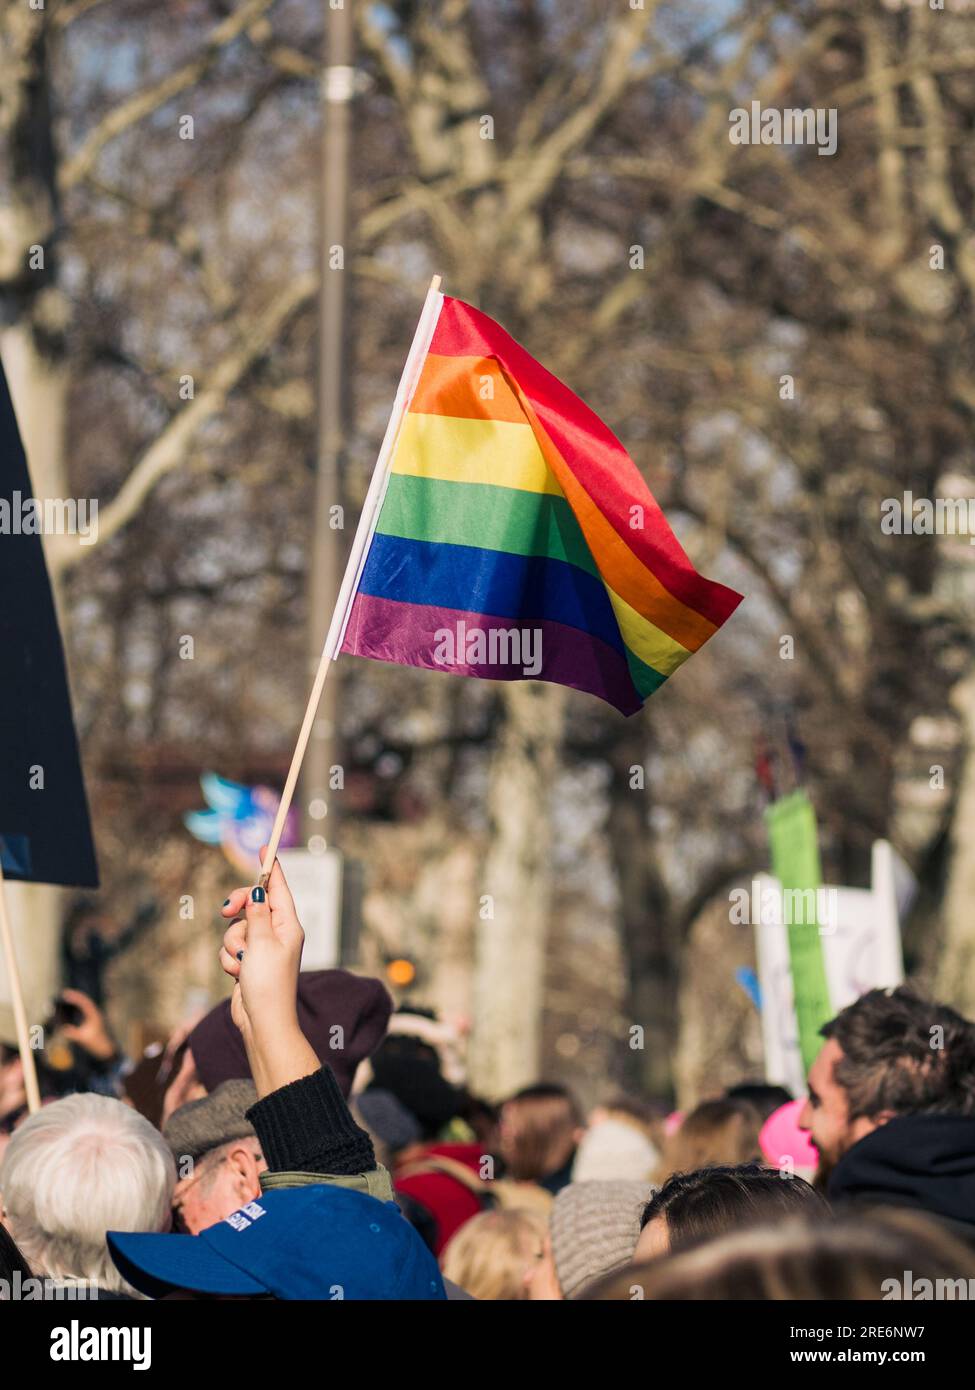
<point>328,543</point>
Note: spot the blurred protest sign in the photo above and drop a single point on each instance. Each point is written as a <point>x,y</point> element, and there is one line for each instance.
<point>315,881</point>
<point>239,819</point>
<point>45,831</point>
<point>794,844</point>
<point>861,949</point>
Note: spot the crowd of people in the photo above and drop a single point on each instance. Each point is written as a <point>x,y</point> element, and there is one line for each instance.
<point>303,1141</point>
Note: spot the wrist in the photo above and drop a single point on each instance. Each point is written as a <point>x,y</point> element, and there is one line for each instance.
<point>278,1056</point>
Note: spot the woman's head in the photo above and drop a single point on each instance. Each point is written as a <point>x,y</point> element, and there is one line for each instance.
<point>540,1128</point>
<point>694,1207</point>
<point>76,1169</point>
<point>866,1257</point>
<point>716,1131</point>
<point>496,1255</point>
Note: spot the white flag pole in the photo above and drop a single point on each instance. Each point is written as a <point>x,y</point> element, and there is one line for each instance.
<point>368,521</point>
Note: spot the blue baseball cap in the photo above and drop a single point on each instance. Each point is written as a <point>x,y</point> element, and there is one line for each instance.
<point>315,1242</point>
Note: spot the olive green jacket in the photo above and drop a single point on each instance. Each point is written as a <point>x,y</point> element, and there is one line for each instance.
<point>374,1183</point>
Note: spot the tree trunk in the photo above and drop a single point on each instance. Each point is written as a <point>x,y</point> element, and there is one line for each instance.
<point>956,975</point>
<point>509,981</point>
<point>646,931</point>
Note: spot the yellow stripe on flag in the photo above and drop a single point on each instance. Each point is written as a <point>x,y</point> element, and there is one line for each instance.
<point>651,645</point>
<point>497,452</point>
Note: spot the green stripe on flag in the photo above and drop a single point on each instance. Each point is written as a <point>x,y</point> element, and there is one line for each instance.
<point>485,516</point>
<point>795,863</point>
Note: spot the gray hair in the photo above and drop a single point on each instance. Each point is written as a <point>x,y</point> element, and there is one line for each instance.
<point>77,1168</point>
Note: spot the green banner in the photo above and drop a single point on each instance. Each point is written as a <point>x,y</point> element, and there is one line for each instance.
<point>795,863</point>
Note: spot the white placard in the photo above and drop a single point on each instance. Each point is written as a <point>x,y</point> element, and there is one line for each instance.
<point>861,951</point>
<point>315,881</point>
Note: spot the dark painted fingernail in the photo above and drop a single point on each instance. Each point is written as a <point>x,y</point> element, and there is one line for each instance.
<point>257,895</point>
<point>226,902</point>
<point>240,955</point>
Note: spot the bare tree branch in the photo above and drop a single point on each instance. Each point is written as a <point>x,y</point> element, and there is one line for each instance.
<point>169,449</point>
<point>144,102</point>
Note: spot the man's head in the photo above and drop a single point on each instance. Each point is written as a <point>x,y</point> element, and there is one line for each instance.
<point>218,1156</point>
<point>315,1242</point>
<point>889,1053</point>
<point>77,1168</point>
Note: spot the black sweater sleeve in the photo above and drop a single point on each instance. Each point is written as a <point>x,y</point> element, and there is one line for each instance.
<point>307,1127</point>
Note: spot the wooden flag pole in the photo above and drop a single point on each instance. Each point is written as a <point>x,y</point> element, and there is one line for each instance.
<point>357,557</point>
<point>17,999</point>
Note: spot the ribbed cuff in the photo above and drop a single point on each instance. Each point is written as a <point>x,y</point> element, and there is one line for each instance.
<point>307,1127</point>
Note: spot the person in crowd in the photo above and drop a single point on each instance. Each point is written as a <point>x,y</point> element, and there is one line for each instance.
<point>72,1171</point>
<point>716,1132</point>
<point>617,1143</point>
<point>313,1242</point>
<point>325,1224</point>
<point>785,1145</point>
<point>344,1016</point>
<point>593,1228</point>
<point>891,1106</point>
<point>540,1130</point>
<point>883,1256</point>
<point>80,1055</point>
<point>218,1156</point>
<point>497,1254</point>
<point>14,1268</point>
<point>13,1094</point>
<point>695,1207</point>
<point>760,1095</point>
<point>444,1039</point>
<point>442,1176</point>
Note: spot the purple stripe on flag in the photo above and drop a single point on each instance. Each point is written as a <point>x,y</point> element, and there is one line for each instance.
<point>463,644</point>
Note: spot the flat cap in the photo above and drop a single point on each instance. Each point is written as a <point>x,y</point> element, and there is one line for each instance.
<point>201,1125</point>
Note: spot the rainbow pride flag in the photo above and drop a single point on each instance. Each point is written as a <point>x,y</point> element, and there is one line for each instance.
<point>517,538</point>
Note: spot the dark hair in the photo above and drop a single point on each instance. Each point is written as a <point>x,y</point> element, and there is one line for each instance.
<point>713,1201</point>
<point>760,1095</point>
<point>870,1257</point>
<point>904,1054</point>
<point>11,1259</point>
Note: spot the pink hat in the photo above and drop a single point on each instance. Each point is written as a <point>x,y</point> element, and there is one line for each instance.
<point>782,1140</point>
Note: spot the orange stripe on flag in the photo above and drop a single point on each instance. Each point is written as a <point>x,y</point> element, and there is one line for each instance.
<point>469,388</point>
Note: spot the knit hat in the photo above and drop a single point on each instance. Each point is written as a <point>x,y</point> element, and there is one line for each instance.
<point>327,1000</point>
<point>595,1227</point>
<point>201,1125</point>
<point>612,1151</point>
<point>388,1119</point>
<point>416,1082</point>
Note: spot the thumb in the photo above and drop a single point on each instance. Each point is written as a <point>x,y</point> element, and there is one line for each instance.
<point>258,915</point>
